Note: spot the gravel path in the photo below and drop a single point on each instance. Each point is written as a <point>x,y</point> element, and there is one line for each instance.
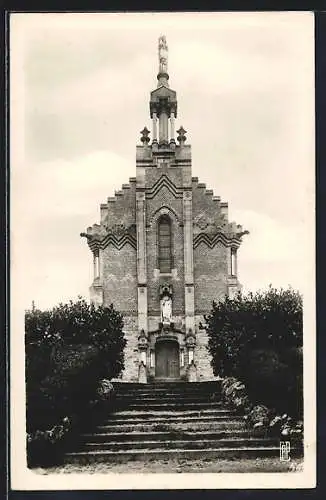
<point>181,465</point>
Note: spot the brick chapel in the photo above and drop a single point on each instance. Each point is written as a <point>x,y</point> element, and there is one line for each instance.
<point>164,251</point>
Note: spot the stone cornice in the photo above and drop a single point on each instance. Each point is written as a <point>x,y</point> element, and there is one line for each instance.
<point>100,236</point>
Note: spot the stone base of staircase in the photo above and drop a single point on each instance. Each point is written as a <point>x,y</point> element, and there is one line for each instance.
<point>171,420</point>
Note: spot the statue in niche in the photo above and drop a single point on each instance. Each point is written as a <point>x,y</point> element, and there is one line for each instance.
<point>163,54</point>
<point>166,309</point>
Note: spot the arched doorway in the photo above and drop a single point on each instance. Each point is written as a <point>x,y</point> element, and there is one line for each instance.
<point>167,365</point>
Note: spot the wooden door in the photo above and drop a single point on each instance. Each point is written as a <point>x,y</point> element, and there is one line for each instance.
<point>167,360</point>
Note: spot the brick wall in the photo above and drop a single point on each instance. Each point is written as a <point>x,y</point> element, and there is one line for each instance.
<point>175,174</point>
<point>120,278</point>
<point>204,205</point>
<point>210,274</point>
<point>121,208</point>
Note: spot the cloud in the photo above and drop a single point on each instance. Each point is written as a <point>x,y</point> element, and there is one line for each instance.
<point>52,203</point>
<point>270,240</point>
<point>62,187</point>
<point>245,95</point>
<point>274,252</point>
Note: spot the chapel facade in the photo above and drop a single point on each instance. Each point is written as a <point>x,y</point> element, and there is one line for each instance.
<point>163,251</point>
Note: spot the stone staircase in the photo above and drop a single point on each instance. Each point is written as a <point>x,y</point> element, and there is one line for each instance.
<point>169,420</point>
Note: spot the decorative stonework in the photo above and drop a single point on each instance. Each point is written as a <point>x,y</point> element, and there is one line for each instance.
<point>100,236</point>
<point>215,239</point>
<point>142,340</point>
<point>164,181</point>
<point>166,289</point>
<point>144,136</point>
<point>203,222</point>
<point>181,135</point>
<point>190,338</point>
<point>117,229</point>
<point>163,211</point>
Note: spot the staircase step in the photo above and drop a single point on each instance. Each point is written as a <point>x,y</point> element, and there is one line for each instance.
<point>182,398</point>
<point>159,435</point>
<point>171,390</point>
<point>147,455</point>
<point>173,406</point>
<point>170,413</point>
<point>168,420</point>
<point>166,384</point>
<point>172,444</point>
<point>181,426</point>
<point>165,394</point>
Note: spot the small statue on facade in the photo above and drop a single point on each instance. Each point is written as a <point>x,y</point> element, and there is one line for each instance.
<point>163,54</point>
<point>166,309</point>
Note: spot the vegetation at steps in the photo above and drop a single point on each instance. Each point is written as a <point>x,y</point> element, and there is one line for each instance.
<point>69,349</point>
<point>258,339</point>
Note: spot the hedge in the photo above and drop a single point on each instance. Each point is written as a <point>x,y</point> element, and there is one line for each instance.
<point>69,351</point>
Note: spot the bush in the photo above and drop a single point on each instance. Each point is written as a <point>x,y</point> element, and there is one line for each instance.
<point>78,324</point>
<point>69,350</point>
<point>65,389</point>
<point>259,418</point>
<point>258,339</point>
<point>235,394</point>
<point>271,378</point>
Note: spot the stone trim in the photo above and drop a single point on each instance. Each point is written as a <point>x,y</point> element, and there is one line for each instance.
<point>212,240</point>
<point>117,241</point>
<point>164,210</point>
<point>164,181</point>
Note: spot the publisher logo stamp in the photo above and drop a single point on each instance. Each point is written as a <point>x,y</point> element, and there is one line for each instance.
<point>285,448</point>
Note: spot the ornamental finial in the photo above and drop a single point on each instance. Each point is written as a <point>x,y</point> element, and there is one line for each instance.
<point>181,135</point>
<point>162,54</point>
<point>144,138</point>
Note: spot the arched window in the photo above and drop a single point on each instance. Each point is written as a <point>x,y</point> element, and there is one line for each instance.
<point>164,244</point>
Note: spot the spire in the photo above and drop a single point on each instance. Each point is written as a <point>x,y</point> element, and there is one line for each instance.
<point>162,76</point>
<point>163,101</point>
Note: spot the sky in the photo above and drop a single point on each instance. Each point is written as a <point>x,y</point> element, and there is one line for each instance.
<point>80,86</point>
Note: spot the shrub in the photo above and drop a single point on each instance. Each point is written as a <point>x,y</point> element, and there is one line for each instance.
<point>235,394</point>
<point>79,323</point>
<point>69,350</point>
<point>274,380</point>
<point>259,418</point>
<point>258,339</point>
<point>64,390</point>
